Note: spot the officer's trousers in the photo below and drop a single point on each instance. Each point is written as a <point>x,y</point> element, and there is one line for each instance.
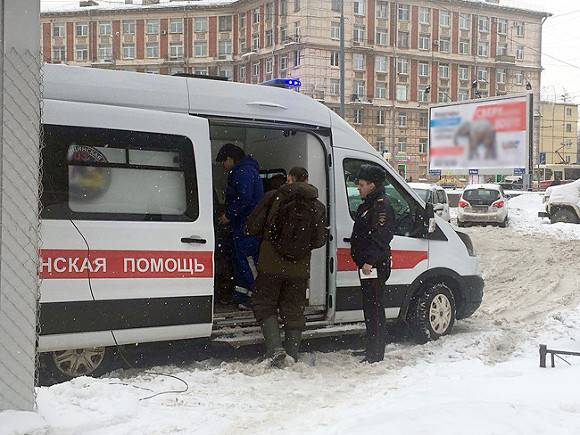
<point>373,291</point>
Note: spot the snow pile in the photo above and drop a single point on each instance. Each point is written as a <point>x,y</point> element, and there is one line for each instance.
<point>22,423</point>
<point>523,214</point>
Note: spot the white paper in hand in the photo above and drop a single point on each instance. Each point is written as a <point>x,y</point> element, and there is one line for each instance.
<point>371,275</point>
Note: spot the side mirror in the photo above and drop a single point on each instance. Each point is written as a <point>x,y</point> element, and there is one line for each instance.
<point>439,207</point>
<point>429,218</point>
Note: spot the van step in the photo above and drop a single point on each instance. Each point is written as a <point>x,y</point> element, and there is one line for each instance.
<point>238,337</point>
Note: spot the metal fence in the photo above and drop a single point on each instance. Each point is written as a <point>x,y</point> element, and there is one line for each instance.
<point>20,102</point>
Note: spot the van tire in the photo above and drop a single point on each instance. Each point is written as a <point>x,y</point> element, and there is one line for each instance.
<point>59,366</point>
<point>504,223</point>
<point>460,224</point>
<point>563,215</point>
<point>433,314</point>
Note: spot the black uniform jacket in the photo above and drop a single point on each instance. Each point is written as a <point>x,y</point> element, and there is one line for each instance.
<point>373,229</point>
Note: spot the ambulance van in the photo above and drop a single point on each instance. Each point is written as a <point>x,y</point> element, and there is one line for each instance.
<point>129,185</point>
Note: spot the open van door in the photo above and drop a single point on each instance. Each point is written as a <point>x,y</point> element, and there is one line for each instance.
<point>135,186</point>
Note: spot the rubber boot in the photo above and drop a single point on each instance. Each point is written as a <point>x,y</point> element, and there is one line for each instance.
<point>274,350</point>
<point>292,339</point>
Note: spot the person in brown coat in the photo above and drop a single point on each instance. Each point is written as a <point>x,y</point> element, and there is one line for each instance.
<point>291,222</point>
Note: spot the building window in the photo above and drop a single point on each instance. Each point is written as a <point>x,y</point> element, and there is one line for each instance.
<point>200,48</point>
<point>422,95</point>
<point>443,71</point>
<point>482,74</point>
<point>255,70</point>
<point>424,15</point>
<point>82,29</point>
<point>152,27</point>
<point>443,96</point>
<point>105,29</point>
<point>380,117</point>
<point>382,9</point>
<point>226,72</point>
<point>334,30</point>
<point>152,50</point>
<point>200,24</point>
<point>520,29</point>
<point>444,45</point>
<point>519,78</point>
<point>283,34</point>
<point>402,66</point>
<point>423,119</point>
<point>568,128</point>
<point>502,49</point>
<point>256,16</point>
<point>200,71</point>
<point>380,90</point>
<point>296,5</point>
<point>520,52</point>
<point>423,69</point>
<point>269,65</point>
<point>483,49</point>
<point>357,116</point>
<point>58,30</point>
<point>358,88</point>
<point>500,76</point>
<point>225,23</point>
<point>128,27</point>
<point>464,46</point>
<point>445,19</point>
<point>568,111</point>
<point>424,42</point>
<point>334,58</point>
<point>176,25</point>
<point>358,34</point>
<point>402,119</point>
<point>462,95</point>
<point>128,51</point>
<point>335,5</point>
<point>464,21</point>
<point>422,145</point>
<point>105,52</point>
<point>256,42</point>
<point>269,38</point>
<point>483,24</point>
<point>334,87</point>
<point>463,72</point>
<point>502,26</point>
<point>404,12</point>
<point>81,53</point>
<point>382,36</point>
<point>176,50</point>
<point>225,47</point>
<point>242,73</point>
<point>381,64</point>
<point>403,39</point>
<point>402,94</point>
<point>297,58</point>
<point>359,7</point>
<point>269,12</point>
<point>402,144</point>
<point>381,144</point>
<point>283,63</point>
<point>242,20</point>
<point>283,8</point>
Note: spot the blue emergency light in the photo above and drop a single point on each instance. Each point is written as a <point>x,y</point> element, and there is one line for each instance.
<point>283,83</point>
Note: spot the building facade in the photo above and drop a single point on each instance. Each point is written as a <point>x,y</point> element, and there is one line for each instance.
<point>400,56</point>
<point>558,133</point>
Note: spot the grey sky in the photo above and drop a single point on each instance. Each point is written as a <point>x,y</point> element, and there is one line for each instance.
<point>560,46</point>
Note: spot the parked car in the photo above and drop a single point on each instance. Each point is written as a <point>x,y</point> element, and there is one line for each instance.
<point>435,195</point>
<point>562,203</point>
<point>512,182</point>
<point>483,204</point>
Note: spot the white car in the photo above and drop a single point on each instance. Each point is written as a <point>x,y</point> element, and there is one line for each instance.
<point>435,195</point>
<point>563,203</point>
<point>483,204</point>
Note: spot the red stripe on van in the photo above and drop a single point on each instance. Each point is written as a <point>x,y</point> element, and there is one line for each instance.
<point>399,259</point>
<point>76,264</point>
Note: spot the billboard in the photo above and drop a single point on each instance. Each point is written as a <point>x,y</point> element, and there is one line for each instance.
<point>489,135</point>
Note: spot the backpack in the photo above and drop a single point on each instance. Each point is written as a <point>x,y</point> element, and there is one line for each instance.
<point>292,228</point>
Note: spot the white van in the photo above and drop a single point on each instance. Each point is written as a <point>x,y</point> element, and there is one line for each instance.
<point>127,221</point>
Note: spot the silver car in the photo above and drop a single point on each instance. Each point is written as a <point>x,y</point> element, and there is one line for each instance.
<point>483,204</point>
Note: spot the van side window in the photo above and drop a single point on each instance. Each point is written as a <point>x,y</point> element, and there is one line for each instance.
<point>105,174</point>
<point>407,211</point>
<point>441,197</point>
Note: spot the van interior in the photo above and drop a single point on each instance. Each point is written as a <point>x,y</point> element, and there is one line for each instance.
<point>277,150</point>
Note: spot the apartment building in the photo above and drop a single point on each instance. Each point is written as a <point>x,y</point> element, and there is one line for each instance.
<point>400,57</point>
<point>558,133</point>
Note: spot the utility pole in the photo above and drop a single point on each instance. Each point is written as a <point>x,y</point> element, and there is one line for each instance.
<point>341,59</point>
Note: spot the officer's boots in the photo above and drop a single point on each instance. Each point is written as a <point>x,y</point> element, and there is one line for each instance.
<point>292,339</point>
<point>274,350</point>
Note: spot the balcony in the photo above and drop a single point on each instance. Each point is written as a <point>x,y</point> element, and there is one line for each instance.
<point>504,58</point>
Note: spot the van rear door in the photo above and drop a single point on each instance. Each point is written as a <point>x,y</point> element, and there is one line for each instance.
<point>136,185</point>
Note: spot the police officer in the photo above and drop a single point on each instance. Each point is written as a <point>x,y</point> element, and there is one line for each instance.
<point>371,235</point>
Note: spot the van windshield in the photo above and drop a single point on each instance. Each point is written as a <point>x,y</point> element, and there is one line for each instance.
<point>481,196</point>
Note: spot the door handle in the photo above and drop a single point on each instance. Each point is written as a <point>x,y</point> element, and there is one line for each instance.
<point>193,239</point>
<point>346,239</point>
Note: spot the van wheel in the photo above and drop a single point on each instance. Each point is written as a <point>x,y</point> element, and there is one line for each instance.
<point>64,365</point>
<point>563,215</point>
<point>504,223</point>
<point>460,224</point>
<point>434,313</point>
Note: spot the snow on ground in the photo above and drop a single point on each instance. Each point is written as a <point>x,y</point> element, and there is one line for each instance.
<point>483,379</point>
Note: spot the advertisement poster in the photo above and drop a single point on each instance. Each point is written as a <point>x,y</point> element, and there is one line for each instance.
<point>480,134</point>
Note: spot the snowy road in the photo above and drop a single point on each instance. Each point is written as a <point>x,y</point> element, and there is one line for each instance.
<point>483,379</point>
